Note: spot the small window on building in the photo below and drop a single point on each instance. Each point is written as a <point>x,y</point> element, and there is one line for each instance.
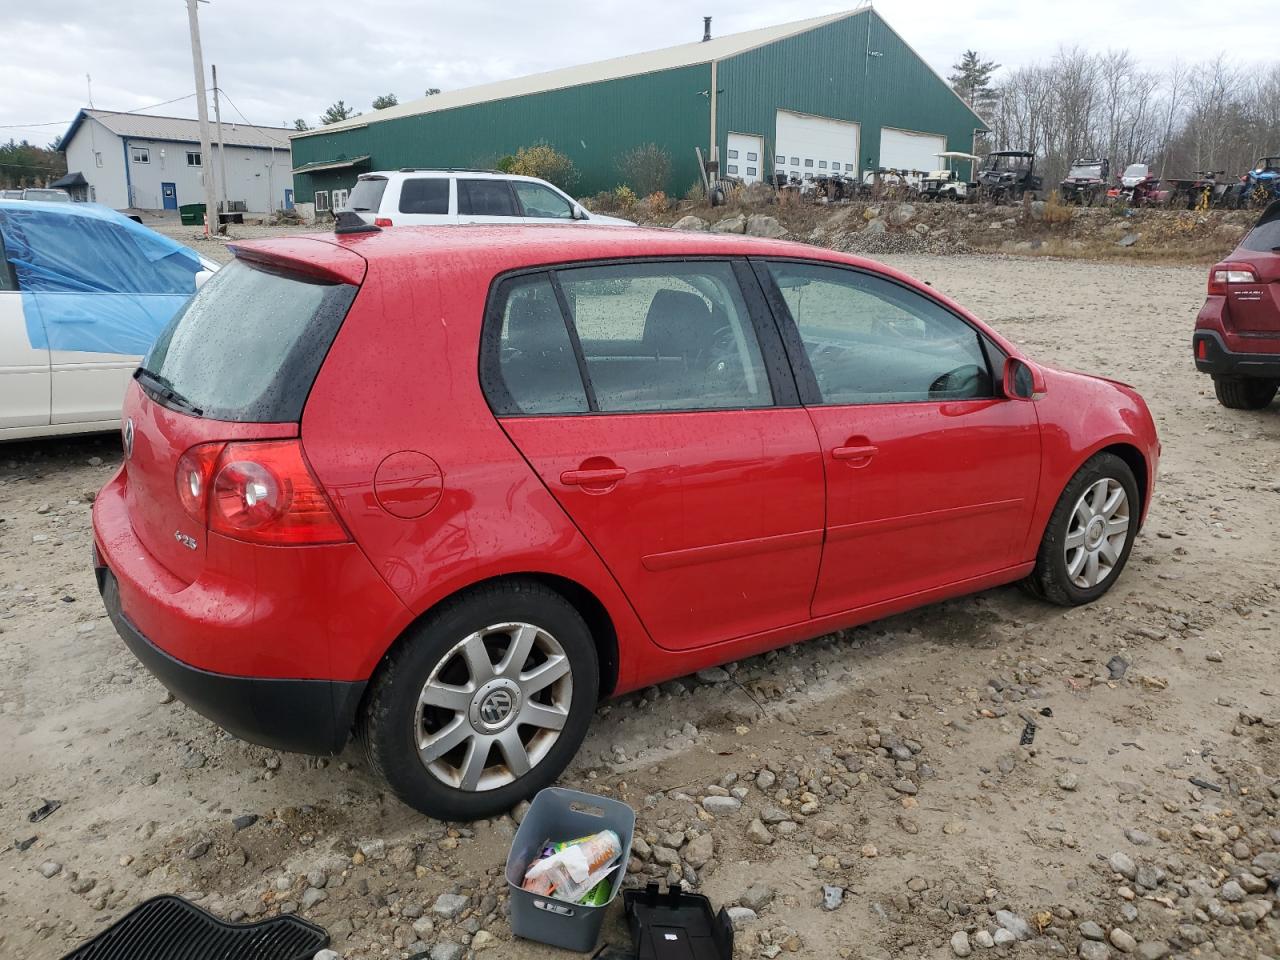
<point>733,154</point>
<point>795,161</point>
<point>753,158</point>
<point>751,171</point>
<point>835,164</point>
<point>322,201</point>
<point>140,154</point>
<point>97,158</point>
<point>779,161</point>
<point>848,167</point>
<point>822,164</point>
<point>193,158</point>
<point>732,168</point>
<point>808,162</point>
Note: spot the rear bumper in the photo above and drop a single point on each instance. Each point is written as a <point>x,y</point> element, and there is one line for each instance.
<point>301,716</point>
<point>1219,361</point>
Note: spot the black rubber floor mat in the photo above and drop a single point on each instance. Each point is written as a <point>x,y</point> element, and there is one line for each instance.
<point>170,928</point>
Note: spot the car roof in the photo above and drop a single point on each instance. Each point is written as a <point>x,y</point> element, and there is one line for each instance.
<point>448,172</point>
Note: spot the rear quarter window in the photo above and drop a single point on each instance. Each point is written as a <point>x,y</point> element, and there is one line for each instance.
<point>247,347</point>
<point>1265,235</point>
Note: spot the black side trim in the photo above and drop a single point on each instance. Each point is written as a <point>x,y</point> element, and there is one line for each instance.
<point>298,716</point>
<point>1221,362</point>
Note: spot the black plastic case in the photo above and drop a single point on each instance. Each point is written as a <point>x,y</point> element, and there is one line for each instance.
<point>676,925</point>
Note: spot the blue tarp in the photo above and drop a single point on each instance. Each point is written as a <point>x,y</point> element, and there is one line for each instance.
<point>92,279</point>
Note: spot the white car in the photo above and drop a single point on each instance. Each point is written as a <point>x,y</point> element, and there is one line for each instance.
<point>83,293</point>
<point>417,198</point>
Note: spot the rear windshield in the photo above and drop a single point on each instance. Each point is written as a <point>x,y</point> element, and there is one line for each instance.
<point>248,345</point>
<point>1265,236</point>
<point>366,195</point>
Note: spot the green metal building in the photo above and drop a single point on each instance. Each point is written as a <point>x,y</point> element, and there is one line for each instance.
<point>842,91</point>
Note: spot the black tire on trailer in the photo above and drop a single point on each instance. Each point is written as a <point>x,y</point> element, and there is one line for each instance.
<point>450,697</point>
<point>1243,393</point>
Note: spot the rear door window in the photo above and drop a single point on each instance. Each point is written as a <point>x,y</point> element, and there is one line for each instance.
<point>366,195</point>
<point>486,198</point>
<point>1265,236</point>
<point>424,195</point>
<point>248,345</point>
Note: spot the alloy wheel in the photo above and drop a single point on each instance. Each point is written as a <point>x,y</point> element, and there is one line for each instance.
<point>1097,533</point>
<point>493,707</point>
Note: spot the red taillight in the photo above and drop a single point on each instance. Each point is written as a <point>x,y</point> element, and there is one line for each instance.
<point>1202,349</point>
<point>1225,273</point>
<point>259,492</point>
<point>195,470</point>
<point>382,221</point>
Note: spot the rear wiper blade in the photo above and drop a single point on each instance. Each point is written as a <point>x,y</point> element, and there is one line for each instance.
<point>162,385</point>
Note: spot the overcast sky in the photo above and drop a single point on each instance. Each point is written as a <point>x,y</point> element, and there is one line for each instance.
<point>281,59</point>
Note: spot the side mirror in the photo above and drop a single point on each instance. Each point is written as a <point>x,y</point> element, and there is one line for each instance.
<point>579,213</point>
<point>202,276</point>
<point>1022,380</point>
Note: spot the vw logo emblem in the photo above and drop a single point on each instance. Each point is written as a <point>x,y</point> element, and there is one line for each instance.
<point>128,438</point>
<point>496,707</point>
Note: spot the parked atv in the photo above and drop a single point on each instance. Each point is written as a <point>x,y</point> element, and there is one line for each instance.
<point>1008,175</point>
<point>946,184</point>
<point>1204,192</point>
<point>1138,187</point>
<point>1260,185</point>
<point>1086,182</point>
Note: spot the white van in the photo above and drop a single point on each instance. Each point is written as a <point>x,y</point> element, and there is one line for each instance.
<point>414,198</point>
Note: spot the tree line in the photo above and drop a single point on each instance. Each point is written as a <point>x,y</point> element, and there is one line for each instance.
<point>1213,114</point>
<point>338,110</point>
<point>23,164</point>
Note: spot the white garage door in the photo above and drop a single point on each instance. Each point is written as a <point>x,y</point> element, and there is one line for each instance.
<point>815,146</point>
<point>746,157</point>
<point>904,150</point>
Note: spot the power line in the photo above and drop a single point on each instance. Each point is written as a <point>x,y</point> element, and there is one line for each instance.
<point>63,123</point>
<point>223,93</point>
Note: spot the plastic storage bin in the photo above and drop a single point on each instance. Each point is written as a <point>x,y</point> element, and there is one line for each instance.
<point>556,815</point>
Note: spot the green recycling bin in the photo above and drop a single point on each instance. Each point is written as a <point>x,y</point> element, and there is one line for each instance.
<point>192,214</point>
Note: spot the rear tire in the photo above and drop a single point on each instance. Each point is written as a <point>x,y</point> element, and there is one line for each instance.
<point>1237,393</point>
<point>454,661</point>
<point>1082,552</point>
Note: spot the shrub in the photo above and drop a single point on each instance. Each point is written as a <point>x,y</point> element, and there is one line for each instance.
<point>506,164</point>
<point>602,202</point>
<point>1055,211</point>
<point>657,202</point>
<point>545,162</point>
<point>696,192</point>
<point>624,197</point>
<point>646,168</point>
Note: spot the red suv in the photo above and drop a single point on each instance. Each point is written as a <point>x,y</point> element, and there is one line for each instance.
<point>448,487</point>
<point>1237,335</point>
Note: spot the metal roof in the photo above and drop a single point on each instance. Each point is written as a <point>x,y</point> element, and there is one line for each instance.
<point>684,55</point>
<point>318,165</point>
<point>180,129</point>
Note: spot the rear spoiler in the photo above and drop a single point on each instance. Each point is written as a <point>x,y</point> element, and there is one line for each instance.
<point>307,256</point>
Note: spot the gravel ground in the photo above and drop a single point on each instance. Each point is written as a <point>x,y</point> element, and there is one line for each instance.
<point>863,795</point>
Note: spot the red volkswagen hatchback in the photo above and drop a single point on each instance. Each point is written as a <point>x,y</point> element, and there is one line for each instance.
<point>447,487</point>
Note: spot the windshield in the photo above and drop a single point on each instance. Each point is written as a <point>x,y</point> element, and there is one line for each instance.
<point>1085,171</point>
<point>1136,170</point>
<point>1267,163</point>
<point>249,344</point>
<point>1000,161</point>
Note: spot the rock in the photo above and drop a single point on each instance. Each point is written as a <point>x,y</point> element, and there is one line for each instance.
<point>519,810</point>
<point>244,821</point>
<point>373,849</point>
<point>740,916</point>
<point>765,779</point>
<point>759,225</point>
<point>447,950</point>
<point>984,939</point>
<point>772,815</point>
<point>1014,924</point>
<point>666,857</point>
<point>875,226</point>
<point>1117,666</point>
<point>757,897</point>
<point>1129,239</point>
<point>198,849</point>
<point>690,223</point>
<point>906,787</point>
<point>1092,931</point>
<point>449,905</point>
<point>699,850</point>
<point>719,806</point>
<point>50,869</point>
<point>1122,941</point>
<point>1152,950</point>
<point>1138,838</point>
<point>1068,781</point>
<point>902,214</point>
<point>735,224</point>
<point>1123,864</point>
<point>1094,950</point>
<point>1037,209</point>
<point>311,896</point>
<point>1232,892</point>
<point>757,832</point>
<point>713,675</point>
<point>640,849</point>
<point>960,944</point>
<point>327,955</point>
<point>424,927</point>
<point>1002,937</point>
<point>832,897</point>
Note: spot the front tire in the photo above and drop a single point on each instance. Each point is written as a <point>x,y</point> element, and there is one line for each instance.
<point>1237,393</point>
<point>1089,535</point>
<point>484,702</point>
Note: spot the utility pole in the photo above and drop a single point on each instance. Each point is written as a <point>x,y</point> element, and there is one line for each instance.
<point>202,110</point>
<point>222,146</point>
